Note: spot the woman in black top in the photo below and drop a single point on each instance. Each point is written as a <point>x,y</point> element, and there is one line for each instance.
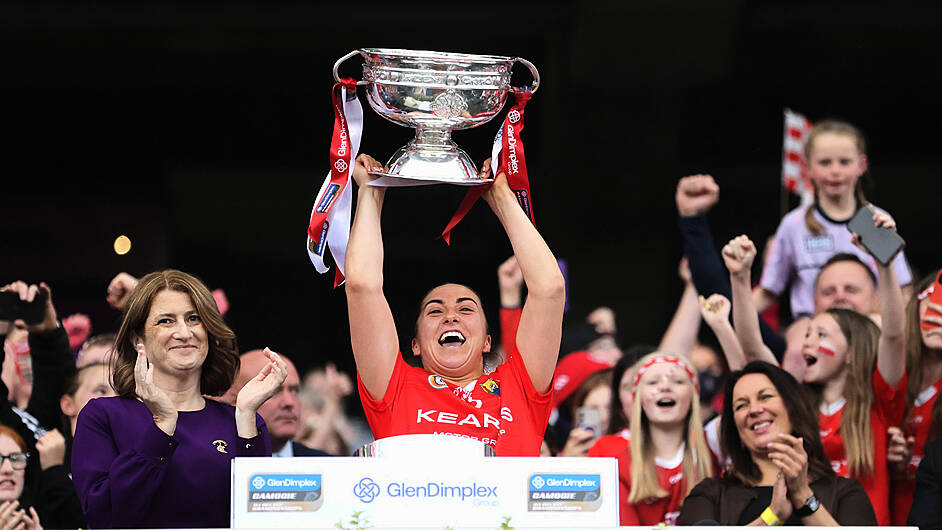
<point>778,472</point>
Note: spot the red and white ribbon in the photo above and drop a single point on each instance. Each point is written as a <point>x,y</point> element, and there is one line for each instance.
<point>507,155</point>
<point>666,359</point>
<point>329,227</point>
<point>794,166</point>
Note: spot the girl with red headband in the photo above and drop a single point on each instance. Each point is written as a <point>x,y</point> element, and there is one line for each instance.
<point>667,447</point>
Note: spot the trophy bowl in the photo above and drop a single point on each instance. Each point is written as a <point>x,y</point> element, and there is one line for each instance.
<point>435,93</point>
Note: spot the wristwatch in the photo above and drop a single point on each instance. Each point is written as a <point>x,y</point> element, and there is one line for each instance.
<point>811,505</point>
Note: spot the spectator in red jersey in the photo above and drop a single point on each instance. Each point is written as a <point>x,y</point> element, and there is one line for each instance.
<point>616,437</point>
<point>922,423</point>
<point>856,373</point>
<point>507,409</point>
<point>594,394</point>
<point>779,472</point>
<point>667,454</point>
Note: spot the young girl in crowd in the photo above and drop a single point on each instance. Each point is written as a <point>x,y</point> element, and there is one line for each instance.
<point>811,234</point>
<point>923,409</point>
<point>666,454</point>
<point>855,373</point>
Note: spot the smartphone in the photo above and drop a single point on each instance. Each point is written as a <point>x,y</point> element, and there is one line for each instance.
<point>882,243</point>
<point>9,306</point>
<point>34,312</point>
<point>934,298</point>
<point>589,419</point>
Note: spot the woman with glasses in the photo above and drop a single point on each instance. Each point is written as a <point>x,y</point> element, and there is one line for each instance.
<point>13,459</point>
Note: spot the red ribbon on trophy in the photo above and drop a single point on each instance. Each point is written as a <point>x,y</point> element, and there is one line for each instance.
<point>330,218</point>
<point>507,156</point>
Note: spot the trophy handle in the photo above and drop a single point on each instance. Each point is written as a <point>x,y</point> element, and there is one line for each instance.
<point>344,58</point>
<point>533,71</point>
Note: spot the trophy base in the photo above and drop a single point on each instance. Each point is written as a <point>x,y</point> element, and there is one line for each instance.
<point>415,165</point>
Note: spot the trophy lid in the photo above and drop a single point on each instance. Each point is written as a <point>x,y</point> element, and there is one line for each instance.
<point>431,56</point>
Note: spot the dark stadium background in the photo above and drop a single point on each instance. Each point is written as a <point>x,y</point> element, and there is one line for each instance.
<point>202,131</point>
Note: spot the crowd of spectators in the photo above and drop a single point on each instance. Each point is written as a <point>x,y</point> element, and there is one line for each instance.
<point>825,418</point>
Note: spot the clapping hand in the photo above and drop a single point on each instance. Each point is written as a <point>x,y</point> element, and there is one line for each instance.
<point>157,401</point>
<point>13,518</point>
<point>738,256</point>
<point>789,455</point>
<point>264,385</point>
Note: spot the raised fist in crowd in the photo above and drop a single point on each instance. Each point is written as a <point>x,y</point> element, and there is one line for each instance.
<point>738,255</point>
<point>120,289</point>
<point>696,194</point>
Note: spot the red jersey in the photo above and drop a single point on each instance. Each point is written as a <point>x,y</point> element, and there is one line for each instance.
<point>509,322</point>
<point>888,407</point>
<point>501,409</point>
<point>611,444</point>
<point>652,511</point>
<point>917,423</point>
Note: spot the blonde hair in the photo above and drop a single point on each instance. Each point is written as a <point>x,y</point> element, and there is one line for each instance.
<point>840,128</point>
<point>696,464</point>
<point>863,339</point>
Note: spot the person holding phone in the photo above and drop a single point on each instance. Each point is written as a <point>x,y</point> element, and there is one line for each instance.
<point>508,408</point>
<point>808,235</point>
<point>588,406</point>
<point>855,372</point>
<point>923,420</point>
<point>667,453</point>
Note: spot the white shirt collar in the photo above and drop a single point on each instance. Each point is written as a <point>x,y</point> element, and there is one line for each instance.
<point>286,452</point>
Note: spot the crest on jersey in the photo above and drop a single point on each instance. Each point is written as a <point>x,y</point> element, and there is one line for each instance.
<point>491,387</point>
<point>437,381</point>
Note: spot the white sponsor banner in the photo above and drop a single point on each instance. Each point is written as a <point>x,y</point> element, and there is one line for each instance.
<point>427,492</point>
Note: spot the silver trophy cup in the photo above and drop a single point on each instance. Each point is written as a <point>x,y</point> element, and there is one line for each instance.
<point>435,93</point>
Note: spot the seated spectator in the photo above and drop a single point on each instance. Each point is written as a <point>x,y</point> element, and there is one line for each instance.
<point>779,473</point>
<point>281,412</point>
<point>159,454</point>
<point>667,453</point>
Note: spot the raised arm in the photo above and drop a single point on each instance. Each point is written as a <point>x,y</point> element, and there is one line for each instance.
<point>715,312</point>
<point>891,354</point>
<point>372,328</point>
<point>738,255</point>
<point>541,320</point>
<point>681,334</point>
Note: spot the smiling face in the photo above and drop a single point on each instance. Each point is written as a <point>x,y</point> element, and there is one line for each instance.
<point>665,391</point>
<point>759,412</point>
<point>11,480</point>
<point>824,350</point>
<point>451,333</point>
<point>835,164</point>
<point>845,285</point>
<point>174,337</point>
